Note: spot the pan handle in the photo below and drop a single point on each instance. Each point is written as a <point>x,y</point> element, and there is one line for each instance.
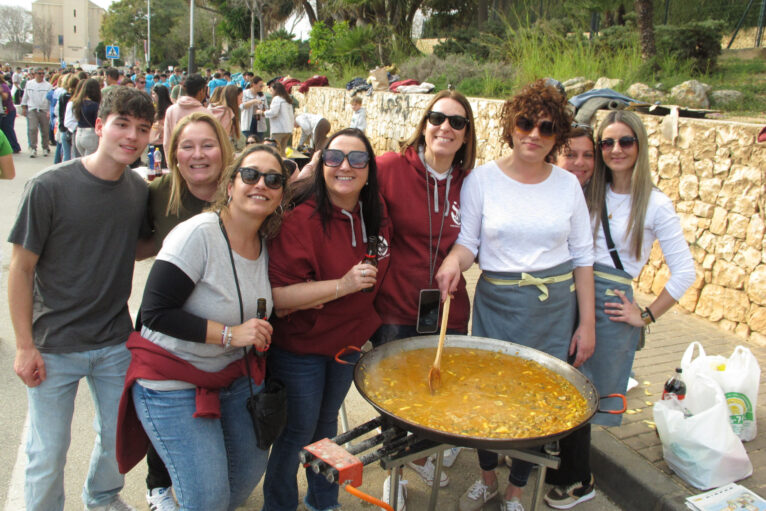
<point>345,351</point>
<point>367,498</point>
<point>614,412</point>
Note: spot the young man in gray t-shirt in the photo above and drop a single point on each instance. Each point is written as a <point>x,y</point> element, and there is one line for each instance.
<point>79,228</point>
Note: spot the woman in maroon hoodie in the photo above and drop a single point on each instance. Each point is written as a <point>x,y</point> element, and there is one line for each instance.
<point>317,277</point>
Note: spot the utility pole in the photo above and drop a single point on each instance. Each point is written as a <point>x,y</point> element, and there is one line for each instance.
<point>192,64</point>
<point>148,32</point>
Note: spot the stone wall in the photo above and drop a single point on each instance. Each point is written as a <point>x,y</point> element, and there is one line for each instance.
<point>714,171</point>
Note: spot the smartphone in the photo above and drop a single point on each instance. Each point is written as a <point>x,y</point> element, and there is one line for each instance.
<point>428,311</point>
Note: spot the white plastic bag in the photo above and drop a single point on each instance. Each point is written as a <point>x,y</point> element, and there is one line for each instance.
<point>702,448</point>
<point>738,376</point>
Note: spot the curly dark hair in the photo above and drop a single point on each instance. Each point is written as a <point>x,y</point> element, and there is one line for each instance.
<point>536,98</point>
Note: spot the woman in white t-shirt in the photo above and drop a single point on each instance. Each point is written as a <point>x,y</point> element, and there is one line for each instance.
<point>528,223</point>
<point>192,367</point>
<point>621,196</point>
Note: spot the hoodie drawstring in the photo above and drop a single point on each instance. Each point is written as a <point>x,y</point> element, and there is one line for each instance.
<point>351,219</point>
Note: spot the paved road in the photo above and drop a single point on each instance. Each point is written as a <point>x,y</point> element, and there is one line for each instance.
<point>12,418</point>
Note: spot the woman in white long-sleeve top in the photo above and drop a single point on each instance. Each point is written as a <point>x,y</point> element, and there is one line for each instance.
<point>281,116</point>
<point>623,203</point>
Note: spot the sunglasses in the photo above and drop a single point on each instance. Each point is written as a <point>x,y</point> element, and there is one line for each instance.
<point>525,126</point>
<point>335,157</point>
<point>625,143</point>
<point>587,127</point>
<point>251,176</point>
<point>458,122</point>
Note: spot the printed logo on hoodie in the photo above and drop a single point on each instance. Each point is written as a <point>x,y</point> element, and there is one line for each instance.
<point>455,214</point>
<point>382,247</point>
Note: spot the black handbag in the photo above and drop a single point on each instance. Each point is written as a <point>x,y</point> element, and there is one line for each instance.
<point>268,408</point>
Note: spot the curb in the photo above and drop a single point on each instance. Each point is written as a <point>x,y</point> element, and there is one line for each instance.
<point>630,480</point>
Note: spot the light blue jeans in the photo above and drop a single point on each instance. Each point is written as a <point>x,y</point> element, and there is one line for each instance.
<point>51,406</point>
<point>214,463</point>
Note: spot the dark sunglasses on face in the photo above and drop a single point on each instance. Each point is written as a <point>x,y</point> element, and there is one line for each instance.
<point>458,122</point>
<point>625,143</point>
<point>251,176</point>
<point>335,157</point>
<point>526,126</point>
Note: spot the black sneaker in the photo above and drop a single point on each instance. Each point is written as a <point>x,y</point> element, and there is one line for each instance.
<point>565,497</point>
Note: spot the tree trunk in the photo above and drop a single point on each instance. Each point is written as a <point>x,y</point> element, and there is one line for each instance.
<point>645,12</point>
<point>310,11</point>
<point>482,13</point>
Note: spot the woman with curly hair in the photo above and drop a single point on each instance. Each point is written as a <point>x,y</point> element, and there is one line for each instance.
<point>527,221</point>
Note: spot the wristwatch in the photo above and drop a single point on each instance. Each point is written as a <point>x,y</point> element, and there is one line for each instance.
<point>647,316</point>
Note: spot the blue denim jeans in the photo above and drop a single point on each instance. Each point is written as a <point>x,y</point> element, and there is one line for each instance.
<point>51,405</point>
<point>7,126</point>
<point>316,387</point>
<point>214,463</point>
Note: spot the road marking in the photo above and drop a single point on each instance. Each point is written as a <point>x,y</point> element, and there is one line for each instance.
<point>15,498</point>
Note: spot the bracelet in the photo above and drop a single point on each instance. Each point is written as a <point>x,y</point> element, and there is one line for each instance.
<point>223,335</point>
<point>649,311</point>
<point>229,336</point>
<point>337,288</point>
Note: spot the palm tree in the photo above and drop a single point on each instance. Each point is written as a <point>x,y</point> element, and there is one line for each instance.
<point>645,13</point>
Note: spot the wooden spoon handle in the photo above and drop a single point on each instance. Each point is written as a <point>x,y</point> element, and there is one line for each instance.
<point>442,333</point>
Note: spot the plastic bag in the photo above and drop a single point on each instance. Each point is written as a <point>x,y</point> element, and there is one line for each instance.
<point>702,448</point>
<point>738,377</point>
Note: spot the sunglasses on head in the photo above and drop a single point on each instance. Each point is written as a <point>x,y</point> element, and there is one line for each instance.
<point>290,166</point>
<point>251,176</point>
<point>458,122</point>
<point>335,157</point>
<point>625,143</point>
<point>586,127</point>
<point>526,126</point>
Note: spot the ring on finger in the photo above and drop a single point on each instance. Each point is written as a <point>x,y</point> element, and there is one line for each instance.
<point>364,273</point>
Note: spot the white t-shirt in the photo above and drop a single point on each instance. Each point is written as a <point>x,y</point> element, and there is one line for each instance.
<point>199,249</point>
<point>661,223</point>
<point>517,227</point>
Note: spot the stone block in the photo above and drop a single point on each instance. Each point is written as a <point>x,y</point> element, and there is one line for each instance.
<point>669,166</point>
<point>704,168</point>
<point>616,83</point>
<point>684,206</point>
<point>727,325</point>
<point>703,145</point>
<point>689,226</point>
<point>709,188</point>
<point>717,303</point>
<point>703,209</point>
<point>726,247</point>
<point>728,275</point>
<point>737,225</point>
<point>718,222</point>
<point>707,241</point>
<point>742,331</point>
<point>757,339</point>
<point>755,230</point>
<point>660,279</point>
<point>646,277</point>
<point>747,258</point>
<point>756,319</point>
<point>708,262</point>
<point>644,92</point>
<point>688,301</point>
<point>756,285</point>
<point>698,253</point>
<point>721,166</point>
<point>688,187</point>
<point>669,187</point>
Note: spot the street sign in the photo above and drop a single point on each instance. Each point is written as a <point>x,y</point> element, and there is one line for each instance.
<point>113,52</point>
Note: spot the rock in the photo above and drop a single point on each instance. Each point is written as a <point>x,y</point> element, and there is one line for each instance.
<point>747,258</point>
<point>718,223</point>
<point>755,229</point>
<point>688,301</point>
<point>727,325</point>
<point>757,339</point>
<point>703,209</point>
<point>756,285</point>
<point>728,275</point>
<point>709,189</point>
<point>756,319</point>
<point>708,262</point>
<point>688,187</point>
<point>742,331</point>
<point>691,93</point>
<point>704,168</point>
<point>643,92</point>
<point>737,225</point>
<point>668,166</point>
<point>578,85</point>
<point>726,247</point>
<point>608,83</point>
<point>725,97</point>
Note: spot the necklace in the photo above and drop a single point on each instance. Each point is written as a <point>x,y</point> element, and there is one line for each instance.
<point>618,206</point>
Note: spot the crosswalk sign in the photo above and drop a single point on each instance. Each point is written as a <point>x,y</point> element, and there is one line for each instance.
<point>113,52</point>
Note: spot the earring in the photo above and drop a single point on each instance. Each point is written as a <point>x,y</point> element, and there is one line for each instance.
<point>228,201</point>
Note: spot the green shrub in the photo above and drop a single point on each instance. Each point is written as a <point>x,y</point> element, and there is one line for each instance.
<point>697,41</point>
<point>320,41</point>
<point>240,56</point>
<point>355,47</point>
<point>490,79</point>
<point>276,55</point>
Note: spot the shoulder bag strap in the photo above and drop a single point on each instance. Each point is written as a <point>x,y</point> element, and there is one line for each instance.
<point>608,236</point>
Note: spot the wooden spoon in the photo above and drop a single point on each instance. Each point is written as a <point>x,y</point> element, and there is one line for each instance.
<point>434,374</point>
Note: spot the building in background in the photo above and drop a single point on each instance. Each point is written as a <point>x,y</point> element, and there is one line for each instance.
<point>66,30</point>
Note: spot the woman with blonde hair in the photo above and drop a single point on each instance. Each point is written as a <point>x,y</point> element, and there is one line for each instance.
<point>628,213</point>
<point>225,108</point>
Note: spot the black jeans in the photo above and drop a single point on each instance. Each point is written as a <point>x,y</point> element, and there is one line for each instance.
<point>158,476</point>
<point>575,459</point>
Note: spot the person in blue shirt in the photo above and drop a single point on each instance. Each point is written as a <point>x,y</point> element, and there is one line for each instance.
<point>217,81</point>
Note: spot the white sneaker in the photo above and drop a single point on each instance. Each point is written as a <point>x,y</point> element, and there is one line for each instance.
<point>512,505</point>
<point>116,505</point>
<point>161,499</point>
<point>427,473</point>
<point>476,496</point>
<point>450,456</point>
<point>401,496</point>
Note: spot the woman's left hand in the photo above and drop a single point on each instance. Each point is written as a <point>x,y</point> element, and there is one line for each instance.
<point>583,344</point>
<point>626,312</point>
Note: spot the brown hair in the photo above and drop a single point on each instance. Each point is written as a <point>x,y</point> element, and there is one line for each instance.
<point>272,223</point>
<point>465,157</point>
<point>230,96</point>
<point>178,184</point>
<point>535,99</point>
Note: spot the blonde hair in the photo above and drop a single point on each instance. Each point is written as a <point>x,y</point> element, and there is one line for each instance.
<point>465,157</point>
<point>178,186</point>
<point>272,223</point>
<point>640,182</point>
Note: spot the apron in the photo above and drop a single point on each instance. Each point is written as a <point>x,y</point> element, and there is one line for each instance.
<point>616,343</point>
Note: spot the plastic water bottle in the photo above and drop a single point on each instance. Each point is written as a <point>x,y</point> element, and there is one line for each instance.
<point>157,163</point>
<point>150,157</point>
<point>675,386</point>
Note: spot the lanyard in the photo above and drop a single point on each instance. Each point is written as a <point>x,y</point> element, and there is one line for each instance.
<point>431,255</point>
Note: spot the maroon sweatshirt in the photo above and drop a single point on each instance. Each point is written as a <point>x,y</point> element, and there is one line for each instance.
<point>402,181</point>
<point>302,252</point>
